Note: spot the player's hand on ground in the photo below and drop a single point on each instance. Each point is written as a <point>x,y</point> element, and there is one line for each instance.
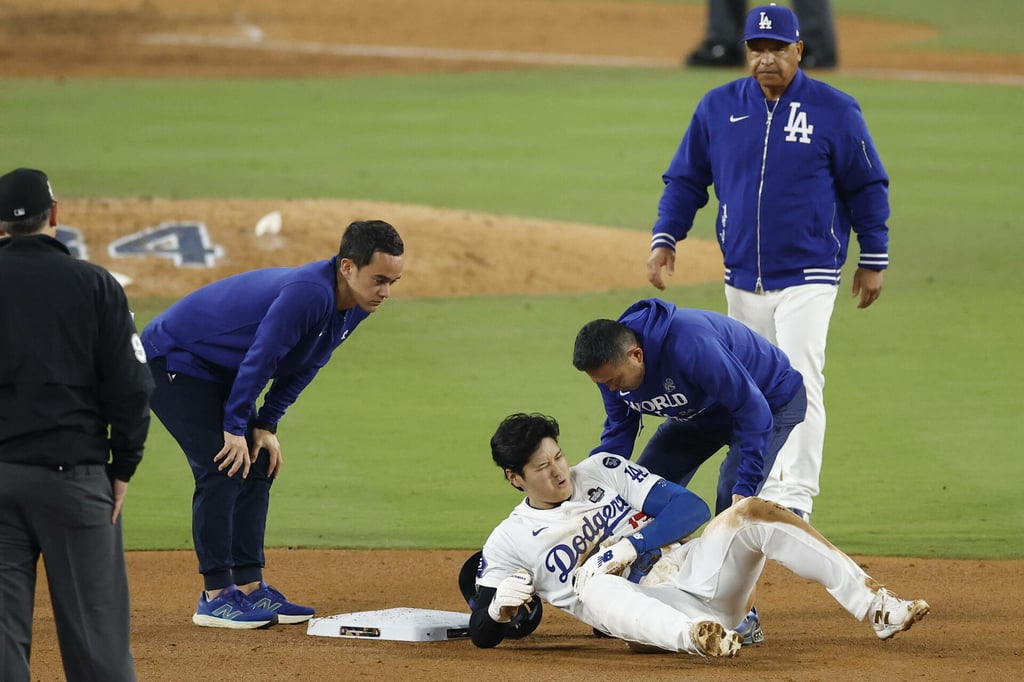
<point>611,560</point>
<point>234,455</point>
<point>868,285</point>
<point>660,257</point>
<point>265,440</point>
<point>513,592</point>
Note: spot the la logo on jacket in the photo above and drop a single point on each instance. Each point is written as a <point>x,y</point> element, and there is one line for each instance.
<point>798,125</point>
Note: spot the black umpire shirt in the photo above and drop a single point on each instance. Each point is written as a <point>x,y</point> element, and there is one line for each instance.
<point>74,384</point>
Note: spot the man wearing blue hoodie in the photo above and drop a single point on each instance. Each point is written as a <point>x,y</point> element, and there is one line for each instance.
<point>212,353</point>
<point>714,382</point>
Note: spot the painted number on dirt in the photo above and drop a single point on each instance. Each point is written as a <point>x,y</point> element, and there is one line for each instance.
<point>186,244</point>
<point>71,237</point>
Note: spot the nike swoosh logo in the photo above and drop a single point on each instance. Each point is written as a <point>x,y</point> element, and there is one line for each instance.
<point>539,531</point>
<point>735,119</point>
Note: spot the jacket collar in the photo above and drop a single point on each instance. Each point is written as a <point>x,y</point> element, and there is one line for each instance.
<point>34,242</point>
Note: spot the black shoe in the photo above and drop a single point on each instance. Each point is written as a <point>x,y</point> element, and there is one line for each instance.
<point>811,60</point>
<point>716,54</point>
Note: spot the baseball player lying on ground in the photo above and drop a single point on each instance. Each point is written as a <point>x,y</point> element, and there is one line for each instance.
<point>605,541</point>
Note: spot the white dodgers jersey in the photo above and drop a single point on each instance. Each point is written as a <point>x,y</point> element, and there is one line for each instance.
<point>608,493</point>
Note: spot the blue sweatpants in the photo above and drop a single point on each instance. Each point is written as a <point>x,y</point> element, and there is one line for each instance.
<point>677,449</point>
<point>229,513</point>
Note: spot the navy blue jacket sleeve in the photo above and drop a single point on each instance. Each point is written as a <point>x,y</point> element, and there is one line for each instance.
<point>297,311</point>
<point>863,185</point>
<point>720,374</point>
<point>621,426</point>
<point>125,383</point>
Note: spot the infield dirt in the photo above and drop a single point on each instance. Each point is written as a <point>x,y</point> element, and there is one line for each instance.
<point>974,629</point>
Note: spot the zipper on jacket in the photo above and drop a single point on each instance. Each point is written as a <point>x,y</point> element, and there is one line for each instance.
<point>758,289</point>
<point>725,219</point>
<point>864,148</point>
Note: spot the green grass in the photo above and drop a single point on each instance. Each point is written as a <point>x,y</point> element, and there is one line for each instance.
<point>480,141</point>
<point>388,447</point>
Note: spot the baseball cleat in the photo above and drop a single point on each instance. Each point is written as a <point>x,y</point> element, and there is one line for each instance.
<point>714,641</point>
<point>750,629</point>
<point>889,614</point>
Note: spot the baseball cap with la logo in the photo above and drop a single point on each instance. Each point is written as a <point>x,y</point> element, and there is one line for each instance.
<point>772,22</point>
<point>24,192</point>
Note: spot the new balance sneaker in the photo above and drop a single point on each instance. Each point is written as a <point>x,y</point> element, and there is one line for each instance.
<point>750,629</point>
<point>889,614</point>
<point>268,599</point>
<point>711,639</point>
<point>230,609</point>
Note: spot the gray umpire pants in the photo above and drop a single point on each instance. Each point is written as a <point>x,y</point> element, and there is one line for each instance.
<point>817,25</point>
<point>65,516</point>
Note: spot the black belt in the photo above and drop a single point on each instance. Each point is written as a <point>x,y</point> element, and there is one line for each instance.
<point>84,467</point>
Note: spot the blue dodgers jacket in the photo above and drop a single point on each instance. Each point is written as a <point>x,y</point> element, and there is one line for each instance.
<point>790,182</point>
<point>244,330</point>
<point>704,367</point>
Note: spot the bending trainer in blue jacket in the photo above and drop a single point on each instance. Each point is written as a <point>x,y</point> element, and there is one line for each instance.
<point>794,170</point>
<point>212,353</point>
<point>713,380</point>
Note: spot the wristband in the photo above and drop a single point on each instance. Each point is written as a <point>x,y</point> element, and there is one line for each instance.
<point>265,426</point>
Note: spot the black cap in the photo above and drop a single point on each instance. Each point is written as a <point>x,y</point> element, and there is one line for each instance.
<point>24,192</point>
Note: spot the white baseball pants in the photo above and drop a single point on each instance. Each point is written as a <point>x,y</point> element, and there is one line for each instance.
<point>796,320</point>
<point>717,574</point>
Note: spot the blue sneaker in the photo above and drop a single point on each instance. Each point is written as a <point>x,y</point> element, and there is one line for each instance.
<point>266,598</point>
<point>230,609</point>
<point>750,629</point>
<point>806,516</point>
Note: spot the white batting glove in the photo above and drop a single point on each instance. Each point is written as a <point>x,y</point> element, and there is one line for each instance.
<point>611,560</point>
<point>513,592</point>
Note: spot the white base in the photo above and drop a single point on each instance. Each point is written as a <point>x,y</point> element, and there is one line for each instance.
<point>399,624</point>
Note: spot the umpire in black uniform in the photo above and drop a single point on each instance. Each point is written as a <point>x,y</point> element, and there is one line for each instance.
<point>74,414</point>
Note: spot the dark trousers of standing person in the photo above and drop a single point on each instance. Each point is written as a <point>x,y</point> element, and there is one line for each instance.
<point>678,448</point>
<point>229,513</point>
<point>64,514</point>
<point>817,27</point>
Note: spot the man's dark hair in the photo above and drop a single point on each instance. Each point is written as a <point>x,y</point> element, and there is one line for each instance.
<point>25,226</point>
<point>601,342</point>
<point>363,238</point>
<point>518,436</point>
